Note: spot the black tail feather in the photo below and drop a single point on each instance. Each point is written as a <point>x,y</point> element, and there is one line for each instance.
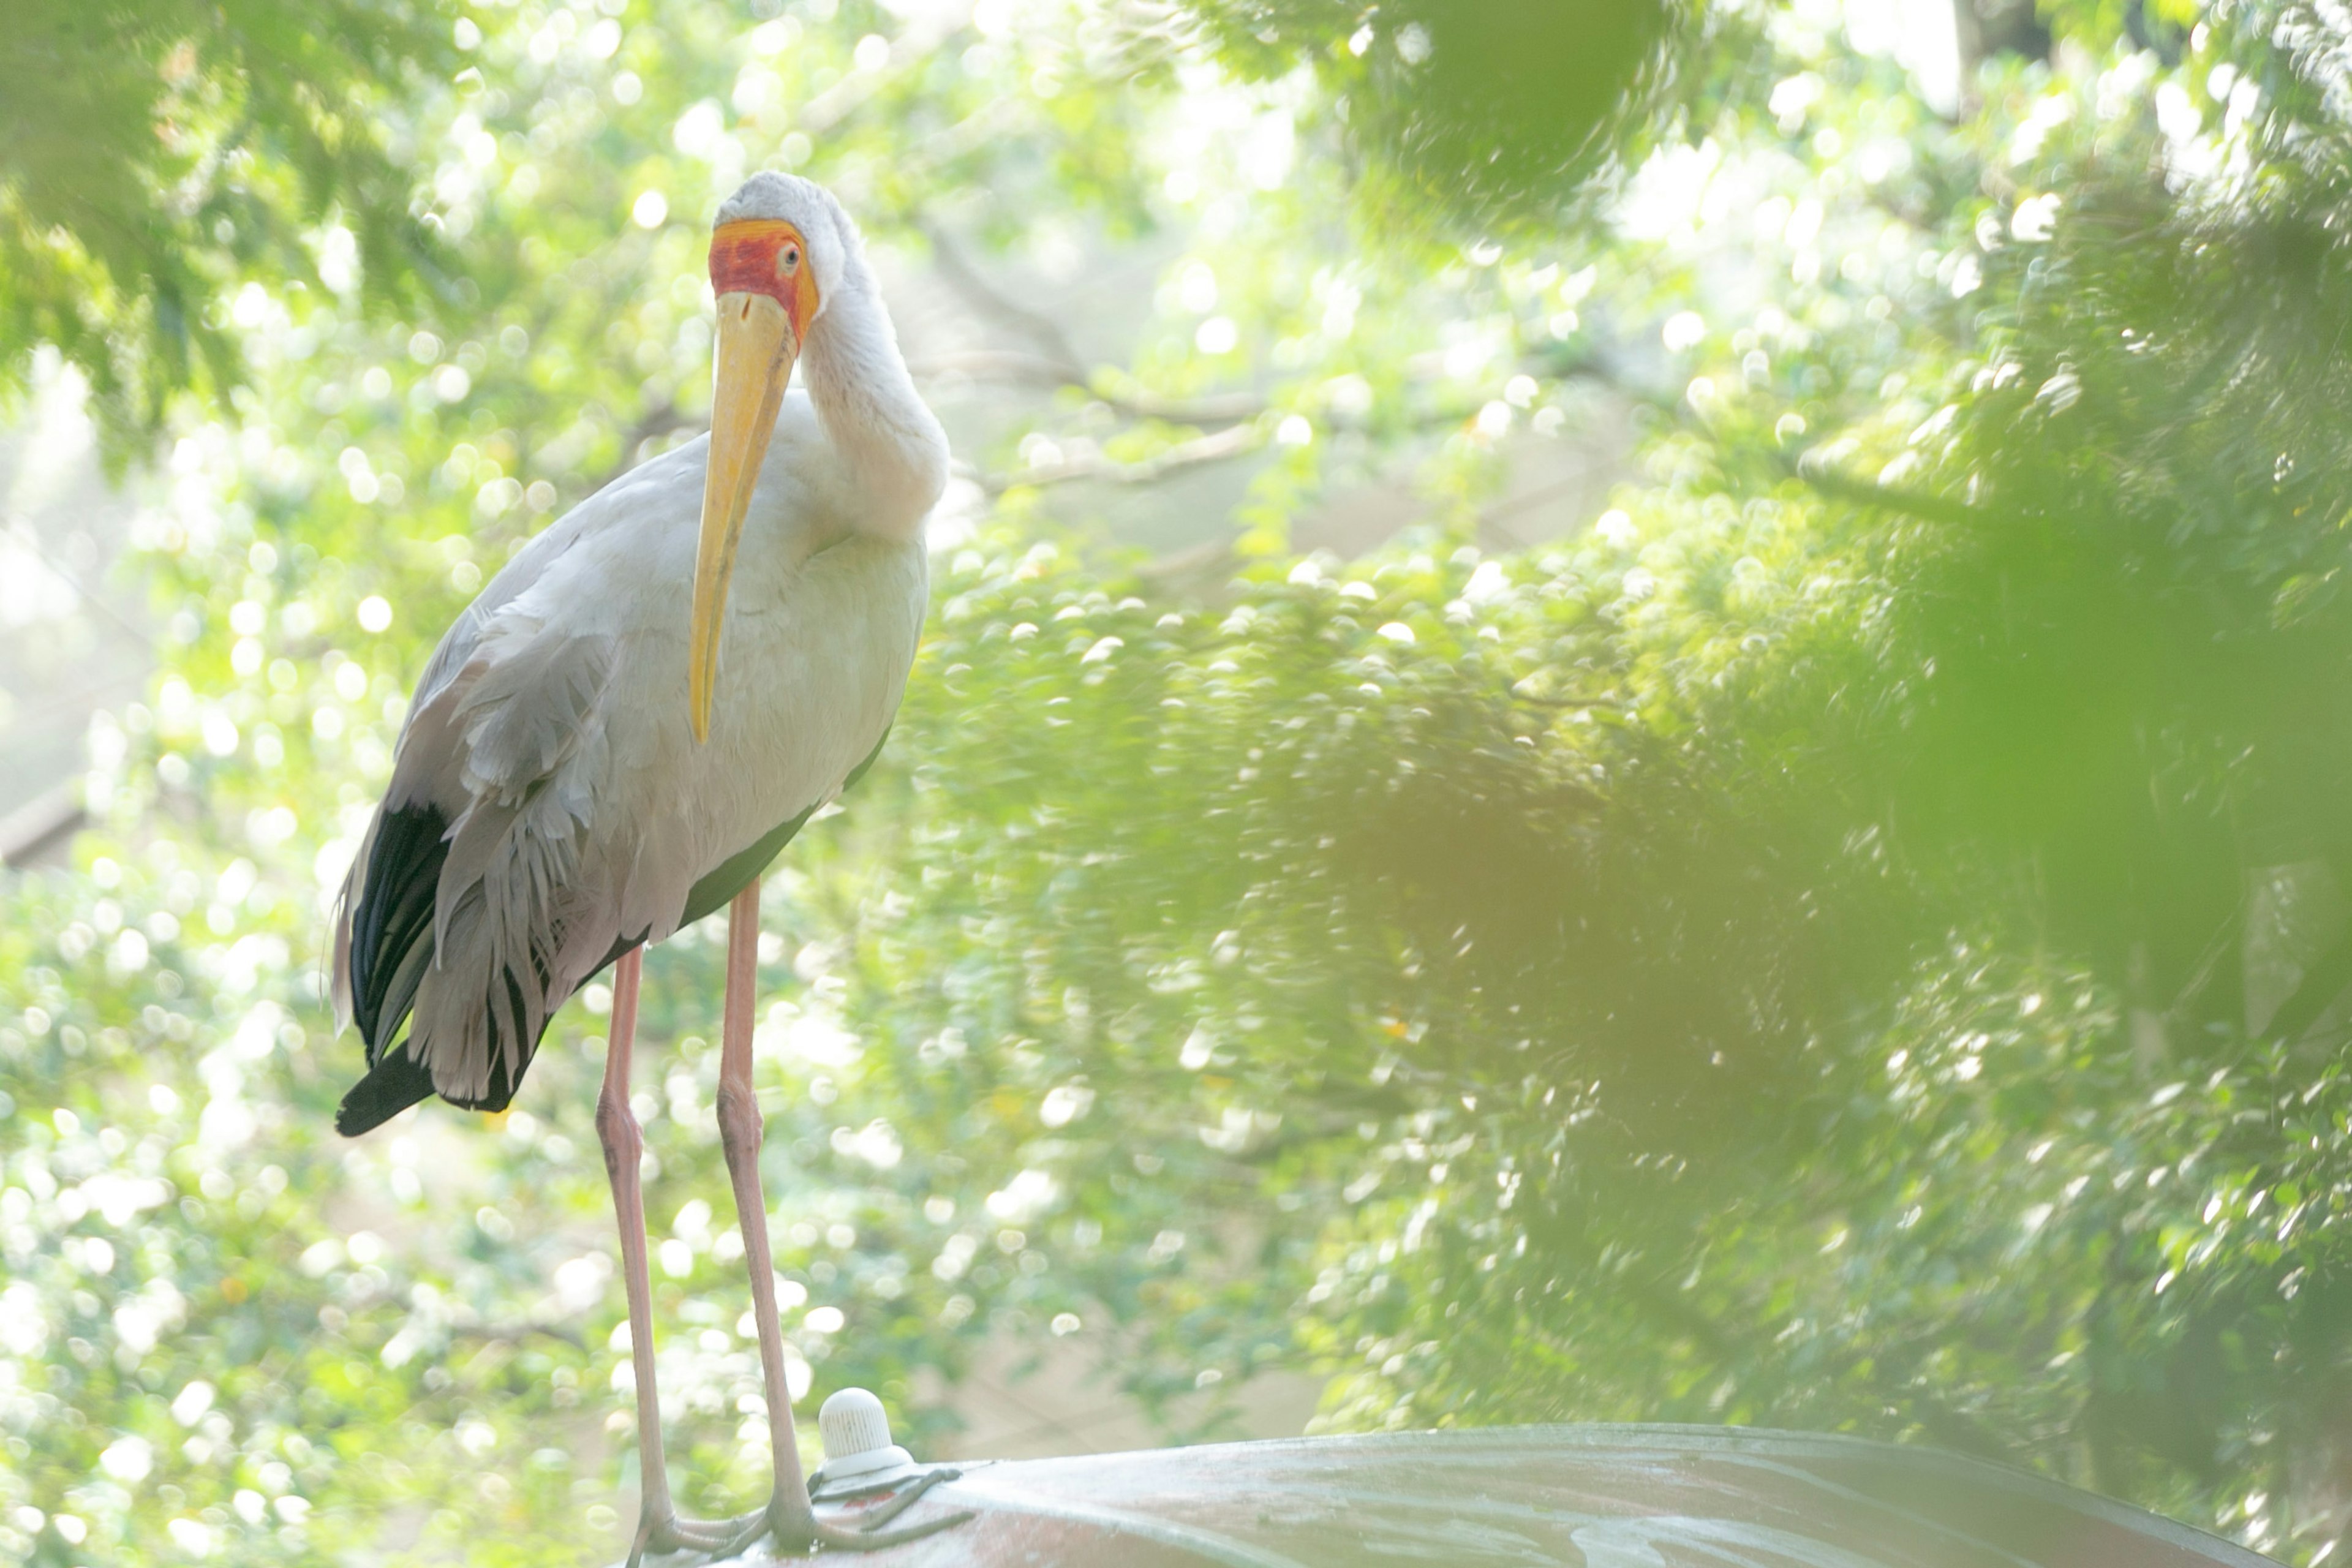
<point>394,919</point>
<point>392,945</point>
<point>396,1082</point>
<point>393,1085</point>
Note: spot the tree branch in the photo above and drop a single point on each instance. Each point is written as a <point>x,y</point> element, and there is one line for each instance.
<point>1828,482</point>
<point>1011,364</point>
<point>961,273</point>
<point>1057,361</point>
<point>1532,700</point>
<point>1234,441</point>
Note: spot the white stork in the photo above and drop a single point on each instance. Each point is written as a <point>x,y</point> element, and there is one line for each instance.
<point>582,774</point>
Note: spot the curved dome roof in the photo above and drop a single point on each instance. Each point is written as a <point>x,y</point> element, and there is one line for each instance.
<point>1581,1497</point>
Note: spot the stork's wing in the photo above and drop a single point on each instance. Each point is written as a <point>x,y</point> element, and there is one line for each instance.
<point>380,902</point>
<point>457,885</point>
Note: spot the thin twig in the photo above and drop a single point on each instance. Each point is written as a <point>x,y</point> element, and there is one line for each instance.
<point>1011,364</point>
<point>1618,703</point>
<point>1928,507</point>
<point>1234,441</point>
<point>957,267</point>
<point>1209,555</point>
<point>515,1333</point>
<point>26,538</point>
<point>1058,361</point>
<point>854,92</point>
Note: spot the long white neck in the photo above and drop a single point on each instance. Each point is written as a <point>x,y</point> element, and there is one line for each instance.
<point>892,444</point>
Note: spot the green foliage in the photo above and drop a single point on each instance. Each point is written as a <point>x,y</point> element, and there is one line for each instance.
<point>156,158</point>
<point>1487,113</point>
<point>1850,939</point>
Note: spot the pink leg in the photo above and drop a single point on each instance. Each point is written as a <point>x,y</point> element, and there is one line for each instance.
<point>789,1513</point>
<point>660,1529</point>
<point>740,1134</point>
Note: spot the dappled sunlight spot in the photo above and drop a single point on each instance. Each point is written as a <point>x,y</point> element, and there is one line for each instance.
<point>127,1459</point>
<point>1063,1104</point>
<point>1028,1195</point>
<point>877,1144</point>
<point>814,1036</point>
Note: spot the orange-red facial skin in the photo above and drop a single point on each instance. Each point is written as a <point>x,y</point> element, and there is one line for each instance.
<point>745,259</point>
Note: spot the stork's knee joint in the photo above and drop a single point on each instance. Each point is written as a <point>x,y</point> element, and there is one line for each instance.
<point>739,1118</point>
<point>616,1127</point>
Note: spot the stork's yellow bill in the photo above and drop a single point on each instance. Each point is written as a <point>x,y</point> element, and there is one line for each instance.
<point>767,295</point>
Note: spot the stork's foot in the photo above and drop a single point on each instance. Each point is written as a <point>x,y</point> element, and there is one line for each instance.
<point>796,1530</point>
<point>665,1536</point>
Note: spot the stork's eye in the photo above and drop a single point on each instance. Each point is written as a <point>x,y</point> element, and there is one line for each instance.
<point>788,260</point>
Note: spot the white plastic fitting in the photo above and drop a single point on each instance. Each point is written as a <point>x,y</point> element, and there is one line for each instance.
<point>856,1434</point>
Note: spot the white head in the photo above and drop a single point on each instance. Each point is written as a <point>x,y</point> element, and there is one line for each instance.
<point>804,209</point>
<point>780,248</point>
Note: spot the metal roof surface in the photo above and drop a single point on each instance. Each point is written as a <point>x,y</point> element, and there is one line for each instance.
<point>1581,1496</point>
